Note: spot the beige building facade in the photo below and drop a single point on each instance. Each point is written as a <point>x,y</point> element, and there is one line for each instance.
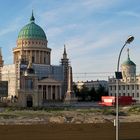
<point>129,85</point>
<point>32,79</point>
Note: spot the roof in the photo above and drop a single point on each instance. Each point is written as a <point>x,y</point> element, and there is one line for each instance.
<point>32,31</point>
<point>49,80</point>
<point>128,62</point>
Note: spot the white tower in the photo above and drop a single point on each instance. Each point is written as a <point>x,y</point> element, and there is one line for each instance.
<point>69,94</point>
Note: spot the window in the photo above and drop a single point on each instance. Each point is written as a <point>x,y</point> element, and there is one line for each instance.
<point>137,86</point>
<point>123,94</point>
<point>128,94</point>
<point>119,87</point>
<point>132,94</point>
<point>128,87</point>
<point>132,80</point>
<point>137,94</point>
<point>29,84</point>
<point>110,87</point>
<point>123,87</point>
<point>132,87</point>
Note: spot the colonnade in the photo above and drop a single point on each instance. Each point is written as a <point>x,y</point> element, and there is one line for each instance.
<point>37,56</point>
<point>50,92</point>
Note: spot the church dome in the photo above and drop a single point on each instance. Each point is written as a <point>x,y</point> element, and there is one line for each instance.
<point>32,31</point>
<point>128,62</point>
<point>128,67</point>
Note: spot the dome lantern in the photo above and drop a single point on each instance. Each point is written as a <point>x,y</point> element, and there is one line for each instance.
<point>32,18</point>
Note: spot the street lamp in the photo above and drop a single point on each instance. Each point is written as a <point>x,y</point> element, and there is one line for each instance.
<point>118,77</point>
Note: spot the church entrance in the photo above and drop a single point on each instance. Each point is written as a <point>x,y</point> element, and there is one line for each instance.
<point>29,101</point>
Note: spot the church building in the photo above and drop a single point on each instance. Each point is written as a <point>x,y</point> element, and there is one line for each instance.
<point>129,85</point>
<point>32,79</point>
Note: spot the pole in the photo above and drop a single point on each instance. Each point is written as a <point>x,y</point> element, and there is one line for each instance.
<point>117,96</point>
<point>128,41</point>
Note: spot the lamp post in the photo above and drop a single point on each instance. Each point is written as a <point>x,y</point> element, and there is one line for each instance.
<point>118,77</point>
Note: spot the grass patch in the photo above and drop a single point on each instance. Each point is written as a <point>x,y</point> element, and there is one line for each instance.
<point>7,116</point>
<point>134,110</point>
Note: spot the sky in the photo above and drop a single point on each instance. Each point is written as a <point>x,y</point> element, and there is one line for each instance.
<point>93,31</point>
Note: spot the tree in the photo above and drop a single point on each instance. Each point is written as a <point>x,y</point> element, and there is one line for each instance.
<point>75,89</point>
<point>101,91</point>
<point>84,93</point>
<point>92,93</point>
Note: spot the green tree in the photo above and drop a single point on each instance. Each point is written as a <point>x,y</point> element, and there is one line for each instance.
<point>84,93</point>
<point>75,89</point>
<point>92,93</point>
<point>101,91</point>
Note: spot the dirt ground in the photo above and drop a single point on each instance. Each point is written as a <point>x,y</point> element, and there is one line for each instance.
<point>102,131</point>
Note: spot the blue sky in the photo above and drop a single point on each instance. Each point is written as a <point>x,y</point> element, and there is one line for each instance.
<point>93,30</point>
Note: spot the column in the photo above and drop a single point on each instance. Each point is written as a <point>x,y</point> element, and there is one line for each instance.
<point>38,59</point>
<point>49,58</point>
<point>51,92</point>
<point>43,57</point>
<point>26,55</point>
<point>45,62</point>
<point>59,87</point>
<point>35,56</point>
<point>31,54</point>
<point>41,92</point>
<point>39,56</point>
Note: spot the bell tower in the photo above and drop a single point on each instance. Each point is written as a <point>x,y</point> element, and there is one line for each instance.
<point>65,64</point>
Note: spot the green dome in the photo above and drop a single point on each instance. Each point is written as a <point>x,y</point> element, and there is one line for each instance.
<point>128,62</point>
<point>32,31</point>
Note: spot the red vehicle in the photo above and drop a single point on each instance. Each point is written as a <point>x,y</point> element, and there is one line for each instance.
<point>111,100</point>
